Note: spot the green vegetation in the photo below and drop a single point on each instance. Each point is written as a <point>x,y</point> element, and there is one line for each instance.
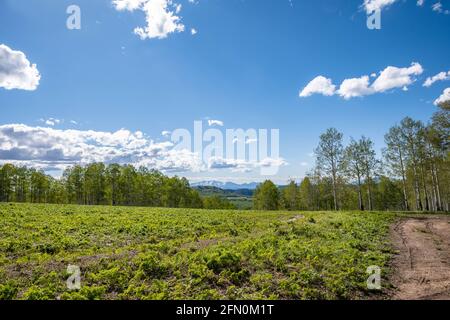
<point>413,174</point>
<point>144,253</point>
<point>100,184</point>
<point>267,196</point>
<point>239,199</point>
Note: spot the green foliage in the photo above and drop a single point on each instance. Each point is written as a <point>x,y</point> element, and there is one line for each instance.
<point>98,184</point>
<point>223,260</point>
<point>8,291</point>
<point>291,197</point>
<point>216,202</point>
<point>267,196</point>
<point>143,253</point>
<point>152,267</point>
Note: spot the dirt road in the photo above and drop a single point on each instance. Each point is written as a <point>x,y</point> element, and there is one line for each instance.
<point>421,270</point>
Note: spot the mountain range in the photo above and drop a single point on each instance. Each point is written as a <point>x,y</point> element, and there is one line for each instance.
<point>226,185</point>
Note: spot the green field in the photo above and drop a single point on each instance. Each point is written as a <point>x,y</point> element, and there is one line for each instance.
<point>147,253</point>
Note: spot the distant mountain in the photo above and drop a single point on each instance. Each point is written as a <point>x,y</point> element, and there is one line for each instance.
<point>226,185</point>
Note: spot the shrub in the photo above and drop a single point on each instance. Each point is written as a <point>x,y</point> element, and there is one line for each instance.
<point>8,291</point>
<point>153,267</point>
<point>224,260</point>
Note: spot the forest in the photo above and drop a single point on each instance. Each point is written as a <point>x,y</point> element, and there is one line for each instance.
<point>100,184</point>
<point>411,175</point>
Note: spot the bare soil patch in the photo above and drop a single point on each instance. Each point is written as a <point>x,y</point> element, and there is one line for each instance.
<point>421,269</point>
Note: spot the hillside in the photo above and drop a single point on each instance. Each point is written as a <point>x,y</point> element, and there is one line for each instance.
<point>144,253</point>
<point>241,198</point>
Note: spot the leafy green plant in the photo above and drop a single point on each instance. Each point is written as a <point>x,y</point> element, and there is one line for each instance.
<point>154,253</point>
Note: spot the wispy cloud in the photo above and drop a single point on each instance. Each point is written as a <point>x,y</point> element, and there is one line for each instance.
<point>374,5</point>
<point>51,121</point>
<point>218,123</point>
<point>442,76</point>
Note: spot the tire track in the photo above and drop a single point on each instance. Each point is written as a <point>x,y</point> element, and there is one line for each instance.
<point>421,269</point>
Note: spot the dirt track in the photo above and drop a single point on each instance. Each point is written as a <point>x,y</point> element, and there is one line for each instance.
<point>421,270</point>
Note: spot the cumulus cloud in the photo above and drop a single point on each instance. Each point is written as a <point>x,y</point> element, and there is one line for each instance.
<point>16,72</point>
<point>388,79</point>
<point>393,77</point>
<point>441,76</point>
<point>319,85</point>
<point>356,87</point>
<point>445,96</point>
<point>52,149</point>
<point>161,17</point>
<point>374,5</point>
<point>39,146</point>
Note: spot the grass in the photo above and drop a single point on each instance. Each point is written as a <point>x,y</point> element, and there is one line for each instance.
<point>147,253</point>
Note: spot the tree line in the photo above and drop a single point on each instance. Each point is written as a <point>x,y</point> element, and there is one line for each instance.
<point>411,175</point>
<point>100,184</point>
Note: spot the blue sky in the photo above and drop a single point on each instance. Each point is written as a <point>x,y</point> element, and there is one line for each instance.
<point>245,67</point>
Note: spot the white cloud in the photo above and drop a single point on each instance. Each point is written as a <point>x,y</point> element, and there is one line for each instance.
<point>166,134</point>
<point>356,87</point>
<point>437,7</point>
<point>215,123</point>
<point>51,148</point>
<point>237,165</point>
<point>161,17</point>
<point>393,77</point>
<point>420,2</point>
<point>194,31</point>
<point>442,76</point>
<point>51,121</point>
<point>445,96</point>
<point>129,5</point>
<point>319,85</point>
<point>16,72</point>
<point>374,5</point>
<point>389,78</point>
